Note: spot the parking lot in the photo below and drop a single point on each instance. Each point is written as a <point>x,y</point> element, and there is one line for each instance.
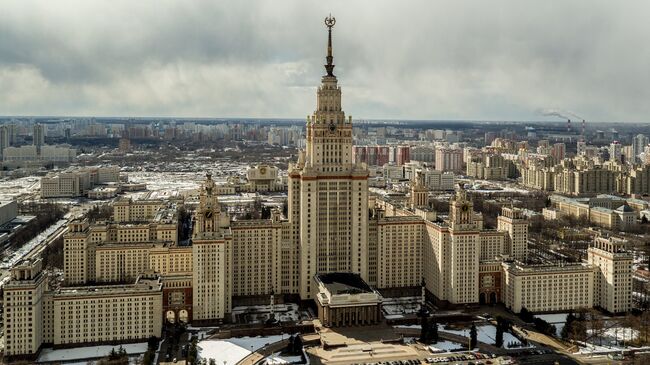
<point>470,358</point>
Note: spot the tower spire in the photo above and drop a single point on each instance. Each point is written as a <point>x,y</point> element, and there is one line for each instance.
<point>329,23</point>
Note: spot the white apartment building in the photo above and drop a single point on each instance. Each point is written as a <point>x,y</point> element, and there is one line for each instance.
<point>77,182</point>
<point>31,155</point>
<point>449,159</point>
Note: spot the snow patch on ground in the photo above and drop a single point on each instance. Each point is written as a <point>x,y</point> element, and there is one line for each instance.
<point>277,359</point>
<point>90,352</point>
<point>445,346</point>
<point>487,334</point>
<point>612,338</point>
<point>556,319</point>
<point>231,351</point>
<point>412,326</point>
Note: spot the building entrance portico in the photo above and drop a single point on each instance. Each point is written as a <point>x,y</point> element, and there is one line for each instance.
<point>344,299</point>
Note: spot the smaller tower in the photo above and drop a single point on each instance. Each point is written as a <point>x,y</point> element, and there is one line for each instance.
<point>329,67</point>
<point>23,303</point>
<point>419,192</point>
<point>208,214</point>
<point>514,223</point>
<point>211,259</point>
<point>461,213</point>
<point>612,282</point>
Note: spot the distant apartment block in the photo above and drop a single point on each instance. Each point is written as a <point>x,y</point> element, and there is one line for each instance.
<point>76,182</point>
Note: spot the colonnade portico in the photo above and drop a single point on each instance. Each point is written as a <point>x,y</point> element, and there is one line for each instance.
<point>344,299</point>
<point>350,316</point>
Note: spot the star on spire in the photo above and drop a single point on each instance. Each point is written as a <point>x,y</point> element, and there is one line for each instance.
<point>329,23</point>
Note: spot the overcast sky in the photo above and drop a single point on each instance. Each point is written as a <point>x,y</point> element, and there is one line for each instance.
<point>477,60</point>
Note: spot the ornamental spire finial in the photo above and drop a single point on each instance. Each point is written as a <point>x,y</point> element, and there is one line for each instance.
<point>329,23</point>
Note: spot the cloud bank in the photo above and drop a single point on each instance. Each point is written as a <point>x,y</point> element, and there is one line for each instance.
<point>495,60</point>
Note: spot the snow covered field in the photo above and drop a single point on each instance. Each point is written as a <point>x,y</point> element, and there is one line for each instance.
<point>166,183</point>
<point>445,346</point>
<point>91,352</point>
<point>487,334</point>
<point>398,307</point>
<point>278,359</point>
<point>11,188</point>
<point>232,350</point>
<point>611,338</point>
<point>556,319</point>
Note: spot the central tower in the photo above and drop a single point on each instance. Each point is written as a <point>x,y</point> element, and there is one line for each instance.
<point>328,194</point>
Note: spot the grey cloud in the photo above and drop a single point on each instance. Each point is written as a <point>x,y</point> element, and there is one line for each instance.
<point>502,60</point>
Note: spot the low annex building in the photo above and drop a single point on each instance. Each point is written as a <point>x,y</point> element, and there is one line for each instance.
<point>345,299</point>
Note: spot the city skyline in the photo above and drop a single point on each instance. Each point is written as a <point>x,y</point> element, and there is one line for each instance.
<point>430,61</point>
<point>195,242</point>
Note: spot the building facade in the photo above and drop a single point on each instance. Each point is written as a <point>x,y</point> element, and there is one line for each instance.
<point>613,278</point>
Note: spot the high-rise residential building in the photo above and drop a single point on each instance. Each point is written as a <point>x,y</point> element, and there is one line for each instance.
<point>4,138</point>
<point>616,151</point>
<point>489,137</point>
<point>639,143</point>
<point>581,146</point>
<point>371,155</point>
<point>401,154</point>
<point>13,133</point>
<point>558,151</point>
<point>39,135</point>
<point>449,159</point>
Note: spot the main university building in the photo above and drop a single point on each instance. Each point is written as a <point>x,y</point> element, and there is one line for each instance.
<point>338,248</point>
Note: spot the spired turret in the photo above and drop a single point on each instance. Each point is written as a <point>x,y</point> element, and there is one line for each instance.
<point>208,217</point>
<point>419,192</point>
<point>329,133</point>
<point>329,67</point>
<point>328,194</point>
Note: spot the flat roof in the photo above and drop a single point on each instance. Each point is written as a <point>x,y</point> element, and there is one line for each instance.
<point>344,283</point>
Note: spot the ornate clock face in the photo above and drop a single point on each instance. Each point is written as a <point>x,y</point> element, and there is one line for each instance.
<point>208,214</point>
<point>464,208</point>
<point>263,170</point>
<point>332,127</point>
